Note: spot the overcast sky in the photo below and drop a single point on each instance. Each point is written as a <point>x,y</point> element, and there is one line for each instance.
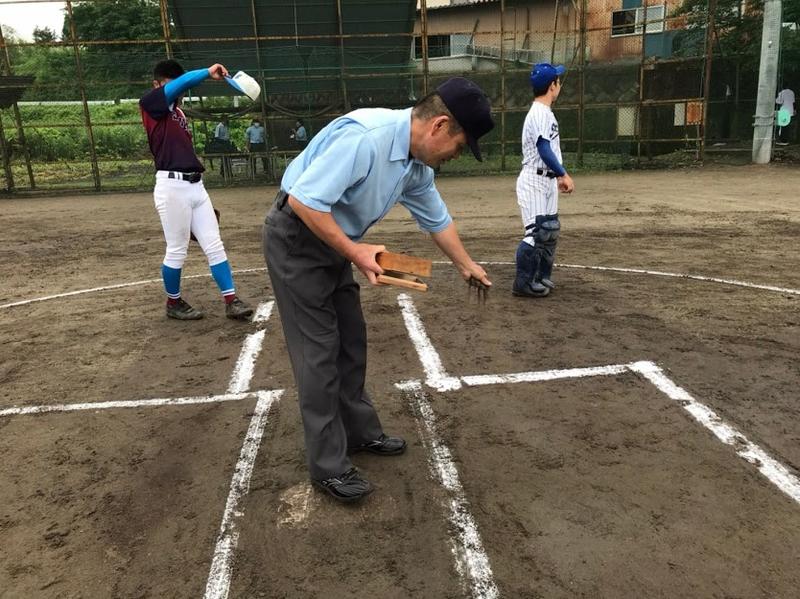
<point>24,17</point>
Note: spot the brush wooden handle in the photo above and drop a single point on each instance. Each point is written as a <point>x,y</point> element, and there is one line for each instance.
<point>408,283</point>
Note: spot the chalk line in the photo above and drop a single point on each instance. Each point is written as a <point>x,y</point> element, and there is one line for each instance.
<point>472,562</point>
<point>140,403</point>
<point>245,365</point>
<point>774,471</point>
<point>219,576</point>
<point>436,376</point>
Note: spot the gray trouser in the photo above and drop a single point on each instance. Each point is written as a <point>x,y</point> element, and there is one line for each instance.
<point>320,309</point>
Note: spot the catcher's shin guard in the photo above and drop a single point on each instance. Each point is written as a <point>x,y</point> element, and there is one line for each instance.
<point>545,236</point>
<point>527,266</point>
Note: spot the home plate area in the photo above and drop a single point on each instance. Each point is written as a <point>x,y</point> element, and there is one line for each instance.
<point>592,480</point>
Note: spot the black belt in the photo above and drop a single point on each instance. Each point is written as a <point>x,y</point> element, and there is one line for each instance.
<point>190,177</point>
<point>282,203</point>
<point>546,173</point>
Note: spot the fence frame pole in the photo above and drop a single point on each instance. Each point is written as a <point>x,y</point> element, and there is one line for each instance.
<point>81,82</point>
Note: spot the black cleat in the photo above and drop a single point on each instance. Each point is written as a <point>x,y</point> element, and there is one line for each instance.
<point>238,310</point>
<point>181,310</point>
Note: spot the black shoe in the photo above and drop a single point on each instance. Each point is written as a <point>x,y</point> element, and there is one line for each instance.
<point>347,487</point>
<point>548,283</point>
<point>181,310</point>
<point>383,445</point>
<point>532,289</point>
<point>238,310</point>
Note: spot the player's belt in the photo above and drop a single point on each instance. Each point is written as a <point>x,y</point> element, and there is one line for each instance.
<point>546,173</point>
<point>190,177</point>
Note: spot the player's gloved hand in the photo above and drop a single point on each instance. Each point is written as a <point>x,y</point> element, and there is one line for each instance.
<point>217,71</point>
<point>363,256</point>
<point>565,184</point>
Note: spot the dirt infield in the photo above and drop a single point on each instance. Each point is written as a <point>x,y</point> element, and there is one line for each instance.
<point>597,487</point>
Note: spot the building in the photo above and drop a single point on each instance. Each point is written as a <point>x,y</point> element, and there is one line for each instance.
<point>469,35</point>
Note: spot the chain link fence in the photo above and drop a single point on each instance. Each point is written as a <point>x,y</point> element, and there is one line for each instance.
<point>646,85</point>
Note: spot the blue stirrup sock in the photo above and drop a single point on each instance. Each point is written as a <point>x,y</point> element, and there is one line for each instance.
<point>224,277</point>
<point>172,281</point>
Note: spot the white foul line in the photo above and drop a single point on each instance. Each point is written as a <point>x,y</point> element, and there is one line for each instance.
<point>245,365</point>
<point>436,375</point>
<point>543,375</point>
<point>219,577</point>
<point>467,547</point>
<point>491,263</point>
<point>774,471</point>
<point>118,286</point>
<point>139,403</point>
<point>677,275</point>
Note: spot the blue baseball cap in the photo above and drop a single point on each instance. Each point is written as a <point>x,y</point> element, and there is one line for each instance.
<point>470,106</point>
<point>543,74</point>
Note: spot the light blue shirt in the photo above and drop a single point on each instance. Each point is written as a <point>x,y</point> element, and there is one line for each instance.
<point>255,134</point>
<point>358,167</point>
<point>222,132</point>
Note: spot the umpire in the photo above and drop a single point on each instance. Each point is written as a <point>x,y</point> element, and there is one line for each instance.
<point>346,180</point>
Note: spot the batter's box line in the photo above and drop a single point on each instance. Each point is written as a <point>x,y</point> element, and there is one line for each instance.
<point>472,562</point>
<point>136,403</point>
<point>438,378</point>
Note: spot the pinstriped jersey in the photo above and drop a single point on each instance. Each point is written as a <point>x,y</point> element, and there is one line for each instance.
<point>539,122</point>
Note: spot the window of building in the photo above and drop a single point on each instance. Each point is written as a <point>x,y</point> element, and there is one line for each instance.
<point>631,21</point>
<point>438,45</point>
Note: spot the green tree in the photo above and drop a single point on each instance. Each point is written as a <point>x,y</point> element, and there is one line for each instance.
<point>117,70</point>
<point>44,35</point>
<point>10,36</point>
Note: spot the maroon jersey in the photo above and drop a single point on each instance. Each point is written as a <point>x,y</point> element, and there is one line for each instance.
<point>168,134</point>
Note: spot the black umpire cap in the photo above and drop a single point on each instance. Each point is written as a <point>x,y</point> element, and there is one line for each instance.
<point>471,108</point>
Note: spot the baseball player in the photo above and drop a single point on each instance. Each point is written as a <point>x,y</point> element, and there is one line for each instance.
<point>538,184</point>
<point>180,196</point>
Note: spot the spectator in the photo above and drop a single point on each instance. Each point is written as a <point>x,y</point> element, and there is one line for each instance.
<point>299,133</point>
<point>222,132</point>
<point>222,144</point>
<point>256,141</point>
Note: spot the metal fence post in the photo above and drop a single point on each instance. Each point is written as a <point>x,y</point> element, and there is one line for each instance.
<point>582,82</point>
<point>81,83</point>
<point>712,9</point>
<point>342,81</point>
<point>423,15</point>
<point>639,110</point>
<point>4,146</point>
<point>503,85</point>
<point>263,91</point>
<point>162,4</point>
<point>17,117</point>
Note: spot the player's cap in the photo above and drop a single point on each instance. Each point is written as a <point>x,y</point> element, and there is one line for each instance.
<point>543,74</point>
<point>245,84</point>
<point>471,108</point>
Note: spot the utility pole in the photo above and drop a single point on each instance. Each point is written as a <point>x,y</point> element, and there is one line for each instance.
<point>767,82</point>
